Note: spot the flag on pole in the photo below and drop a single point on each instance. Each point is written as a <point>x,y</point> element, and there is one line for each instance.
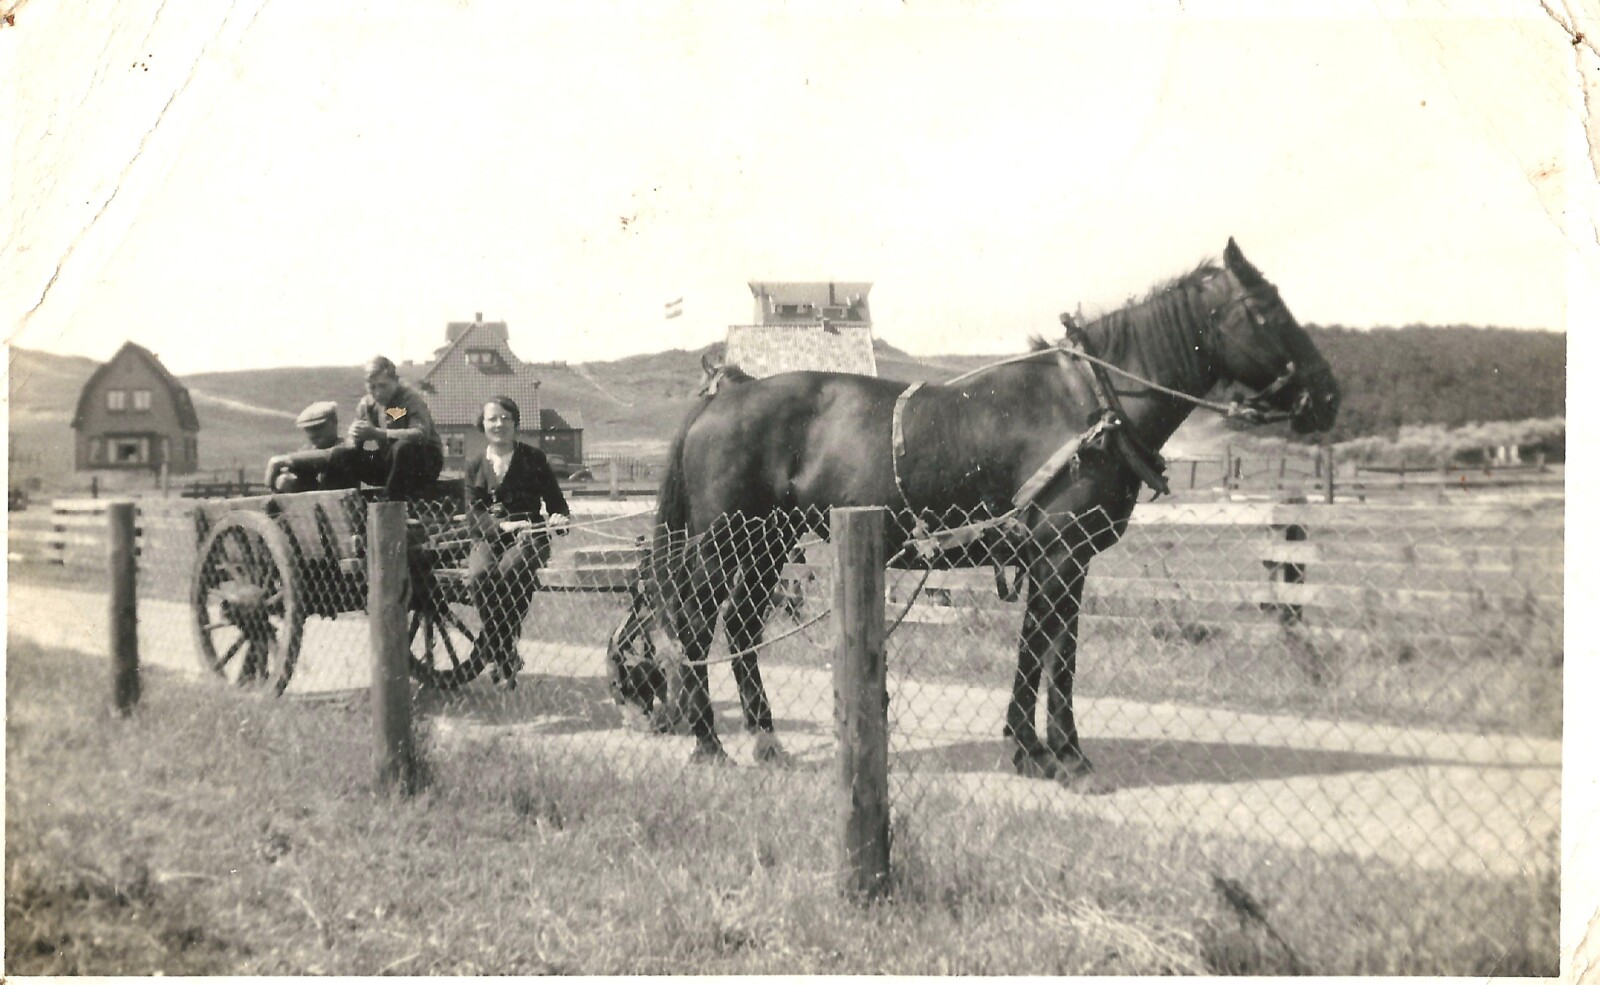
<point>675,308</point>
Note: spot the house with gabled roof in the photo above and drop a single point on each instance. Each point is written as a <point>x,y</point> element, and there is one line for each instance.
<point>133,415</point>
<point>476,363</point>
<point>817,325</point>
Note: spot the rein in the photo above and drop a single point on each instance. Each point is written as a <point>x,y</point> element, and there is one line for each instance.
<point>1246,409</point>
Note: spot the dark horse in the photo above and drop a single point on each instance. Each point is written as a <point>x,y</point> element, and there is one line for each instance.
<point>757,452</point>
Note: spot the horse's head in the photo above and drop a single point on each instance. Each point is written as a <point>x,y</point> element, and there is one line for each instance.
<point>1253,340</point>
<point>713,375</point>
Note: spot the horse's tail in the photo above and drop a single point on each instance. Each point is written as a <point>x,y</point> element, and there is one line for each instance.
<point>672,499</point>
<point>666,556</point>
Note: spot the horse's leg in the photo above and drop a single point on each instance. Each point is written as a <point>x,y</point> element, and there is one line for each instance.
<point>697,610</point>
<point>1029,756</point>
<point>747,615</point>
<point>1059,632</point>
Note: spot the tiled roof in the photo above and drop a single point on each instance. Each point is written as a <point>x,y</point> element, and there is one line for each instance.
<point>555,420</point>
<point>187,419</point>
<point>763,350</point>
<point>456,389</point>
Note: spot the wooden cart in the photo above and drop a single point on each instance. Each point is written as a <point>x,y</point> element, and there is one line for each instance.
<point>265,563</point>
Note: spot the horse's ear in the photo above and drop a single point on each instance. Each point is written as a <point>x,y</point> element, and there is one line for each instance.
<point>1243,269</point>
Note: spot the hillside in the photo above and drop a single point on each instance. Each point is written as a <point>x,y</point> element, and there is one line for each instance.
<point>1391,377</point>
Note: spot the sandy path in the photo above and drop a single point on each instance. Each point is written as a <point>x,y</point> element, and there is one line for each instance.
<point>1405,795</point>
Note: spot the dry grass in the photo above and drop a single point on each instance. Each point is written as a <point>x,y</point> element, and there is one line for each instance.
<point>213,832</point>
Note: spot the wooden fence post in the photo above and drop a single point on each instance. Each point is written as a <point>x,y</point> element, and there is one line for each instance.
<point>388,593</point>
<point>124,608</point>
<point>1227,468</point>
<point>1288,570</point>
<point>1327,496</point>
<point>861,700</point>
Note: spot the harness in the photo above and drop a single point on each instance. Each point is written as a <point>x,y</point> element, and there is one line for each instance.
<point>1109,432</point>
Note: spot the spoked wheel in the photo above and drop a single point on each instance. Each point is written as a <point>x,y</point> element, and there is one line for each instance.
<point>248,616</point>
<point>444,637</point>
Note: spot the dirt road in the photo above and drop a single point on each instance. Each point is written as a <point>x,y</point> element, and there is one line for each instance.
<point>1410,796</point>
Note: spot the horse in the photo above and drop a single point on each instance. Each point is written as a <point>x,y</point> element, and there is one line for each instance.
<point>1044,441</point>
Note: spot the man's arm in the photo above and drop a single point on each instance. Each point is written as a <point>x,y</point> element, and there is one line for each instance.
<point>418,420</point>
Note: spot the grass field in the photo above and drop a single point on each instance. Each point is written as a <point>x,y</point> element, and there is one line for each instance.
<point>216,833</point>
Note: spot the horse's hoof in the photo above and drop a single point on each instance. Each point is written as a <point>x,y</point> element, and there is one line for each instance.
<point>668,722</point>
<point>769,752</point>
<point>636,720</point>
<point>1035,764</point>
<point>709,756</point>
<point>1077,774</point>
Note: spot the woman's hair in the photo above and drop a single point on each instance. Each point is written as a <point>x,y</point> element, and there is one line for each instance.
<point>506,404</point>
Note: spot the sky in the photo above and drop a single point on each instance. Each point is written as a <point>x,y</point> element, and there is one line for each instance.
<point>285,182</point>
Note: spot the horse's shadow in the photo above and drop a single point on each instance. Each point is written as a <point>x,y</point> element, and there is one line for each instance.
<point>1122,764</point>
<point>554,705</point>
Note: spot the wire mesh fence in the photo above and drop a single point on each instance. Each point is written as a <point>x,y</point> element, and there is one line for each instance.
<point>1323,695</point>
<point>1378,681</point>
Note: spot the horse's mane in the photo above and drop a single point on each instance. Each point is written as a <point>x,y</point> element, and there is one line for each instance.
<point>1141,321</point>
<point>732,373</point>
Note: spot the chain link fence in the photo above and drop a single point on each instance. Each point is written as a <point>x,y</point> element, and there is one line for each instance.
<point>1325,700</point>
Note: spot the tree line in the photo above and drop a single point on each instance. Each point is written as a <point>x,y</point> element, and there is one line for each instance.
<point>1450,376</point>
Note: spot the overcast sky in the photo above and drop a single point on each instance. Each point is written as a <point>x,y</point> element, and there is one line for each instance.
<point>293,182</point>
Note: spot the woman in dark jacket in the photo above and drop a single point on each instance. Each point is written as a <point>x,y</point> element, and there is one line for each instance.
<point>506,486</point>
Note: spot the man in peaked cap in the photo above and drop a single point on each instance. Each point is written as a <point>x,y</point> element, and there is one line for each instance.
<point>302,471</point>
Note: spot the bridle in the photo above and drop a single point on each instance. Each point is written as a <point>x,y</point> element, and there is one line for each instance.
<point>1255,408</point>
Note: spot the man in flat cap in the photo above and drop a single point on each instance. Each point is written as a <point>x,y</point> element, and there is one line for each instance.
<point>302,470</point>
<point>392,442</point>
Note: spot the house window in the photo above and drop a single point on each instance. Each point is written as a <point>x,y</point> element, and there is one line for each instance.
<point>166,449</point>
<point>97,451</point>
<point>141,400</point>
<point>455,445</point>
<point>191,449</point>
<point>130,451</point>
<point>116,401</point>
<point>487,361</point>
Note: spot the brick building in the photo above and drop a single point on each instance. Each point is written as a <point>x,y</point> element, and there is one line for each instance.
<point>476,363</point>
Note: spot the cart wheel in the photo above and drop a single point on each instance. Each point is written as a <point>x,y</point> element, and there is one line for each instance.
<point>248,616</point>
<point>444,636</point>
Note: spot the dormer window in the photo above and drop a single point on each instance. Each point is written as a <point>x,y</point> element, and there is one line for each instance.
<point>487,361</point>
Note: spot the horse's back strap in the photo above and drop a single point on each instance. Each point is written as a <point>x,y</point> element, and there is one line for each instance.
<point>897,436</point>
